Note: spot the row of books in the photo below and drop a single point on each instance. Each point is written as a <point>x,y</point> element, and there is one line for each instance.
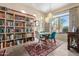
<point>29,23</point>
<point>9,44</point>
<point>28,30</point>
<point>18,42</point>
<point>9,30</point>
<point>19,30</point>
<point>2,15</point>
<point>19,18</point>
<point>12,43</point>
<point>19,24</point>
<point>9,23</point>
<point>17,36</point>
<point>9,17</point>
<point>10,37</point>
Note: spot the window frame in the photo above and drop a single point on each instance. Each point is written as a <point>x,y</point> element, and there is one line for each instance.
<point>67,14</point>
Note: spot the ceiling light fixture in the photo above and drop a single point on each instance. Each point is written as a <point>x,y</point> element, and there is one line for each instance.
<point>23,11</point>
<point>49,14</point>
<point>34,15</point>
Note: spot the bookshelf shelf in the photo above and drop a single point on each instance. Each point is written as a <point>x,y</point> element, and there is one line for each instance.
<point>20,27</point>
<point>14,27</point>
<point>2,11</point>
<point>11,13</point>
<point>2,33</point>
<point>2,18</point>
<point>2,26</point>
<point>2,41</point>
<point>19,32</point>
<point>9,40</point>
<point>20,21</point>
<point>9,26</point>
<point>9,33</point>
<point>10,20</point>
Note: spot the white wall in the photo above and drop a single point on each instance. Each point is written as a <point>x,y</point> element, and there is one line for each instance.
<point>61,36</point>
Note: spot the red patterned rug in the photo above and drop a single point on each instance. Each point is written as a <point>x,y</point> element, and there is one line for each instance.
<point>44,51</point>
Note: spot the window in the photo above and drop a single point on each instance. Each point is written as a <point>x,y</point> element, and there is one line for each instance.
<point>60,23</point>
<point>64,21</point>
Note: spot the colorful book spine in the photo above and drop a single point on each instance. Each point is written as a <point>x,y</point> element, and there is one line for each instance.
<point>1,30</point>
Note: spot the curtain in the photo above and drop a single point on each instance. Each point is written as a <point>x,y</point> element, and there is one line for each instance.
<point>73,18</point>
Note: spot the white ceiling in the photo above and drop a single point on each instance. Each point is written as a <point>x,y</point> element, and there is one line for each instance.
<point>41,7</point>
<point>46,7</point>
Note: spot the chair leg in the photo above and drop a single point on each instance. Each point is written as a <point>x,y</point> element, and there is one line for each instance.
<point>54,41</point>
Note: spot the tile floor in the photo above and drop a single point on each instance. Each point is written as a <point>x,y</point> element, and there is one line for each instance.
<point>60,51</point>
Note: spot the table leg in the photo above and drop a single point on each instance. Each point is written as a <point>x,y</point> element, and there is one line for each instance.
<point>68,46</point>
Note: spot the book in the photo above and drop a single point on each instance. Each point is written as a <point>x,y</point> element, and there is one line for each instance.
<point>1,37</point>
<point>18,42</point>
<point>1,30</point>
<point>12,37</point>
<point>1,44</point>
<point>1,22</point>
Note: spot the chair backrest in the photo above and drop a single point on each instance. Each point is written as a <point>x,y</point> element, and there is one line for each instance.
<point>52,35</point>
<point>37,36</point>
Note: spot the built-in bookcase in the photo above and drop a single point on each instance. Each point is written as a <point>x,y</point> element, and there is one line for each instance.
<point>14,27</point>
